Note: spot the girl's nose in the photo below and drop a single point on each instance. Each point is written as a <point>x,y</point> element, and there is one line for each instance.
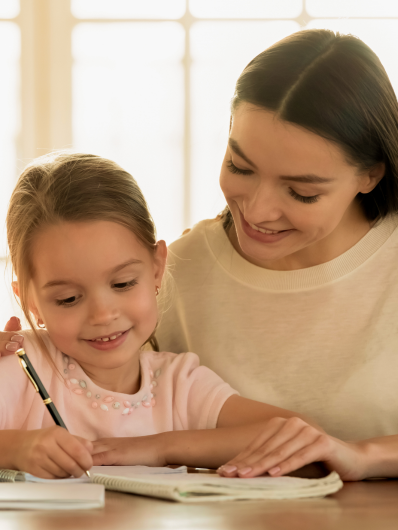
<point>102,313</point>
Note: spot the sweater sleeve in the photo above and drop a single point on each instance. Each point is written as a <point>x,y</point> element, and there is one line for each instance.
<point>199,394</point>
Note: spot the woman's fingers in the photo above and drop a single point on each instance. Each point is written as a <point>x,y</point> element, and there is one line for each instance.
<point>317,451</point>
<point>277,432</point>
<point>14,324</point>
<point>259,464</point>
<point>10,342</point>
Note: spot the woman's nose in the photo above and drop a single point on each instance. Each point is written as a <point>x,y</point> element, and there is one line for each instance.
<point>263,205</point>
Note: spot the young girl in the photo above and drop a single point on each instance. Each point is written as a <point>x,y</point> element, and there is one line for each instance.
<point>89,270</point>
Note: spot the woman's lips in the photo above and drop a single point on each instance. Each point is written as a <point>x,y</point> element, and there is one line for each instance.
<point>108,345</point>
<point>259,236</point>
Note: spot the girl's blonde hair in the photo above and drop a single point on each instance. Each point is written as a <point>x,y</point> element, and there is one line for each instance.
<point>71,187</point>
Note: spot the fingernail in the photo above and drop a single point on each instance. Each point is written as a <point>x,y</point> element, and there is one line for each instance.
<point>229,469</point>
<point>17,338</point>
<point>244,471</point>
<point>12,346</point>
<point>274,470</point>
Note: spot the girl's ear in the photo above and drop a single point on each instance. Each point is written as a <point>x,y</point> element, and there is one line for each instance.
<point>32,307</point>
<point>160,259</point>
<point>15,288</point>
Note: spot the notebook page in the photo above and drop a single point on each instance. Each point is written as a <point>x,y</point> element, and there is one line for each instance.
<point>128,471</point>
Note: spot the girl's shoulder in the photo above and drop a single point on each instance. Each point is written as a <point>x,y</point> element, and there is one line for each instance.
<point>176,366</point>
<point>158,363</point>
<point>43,356</point>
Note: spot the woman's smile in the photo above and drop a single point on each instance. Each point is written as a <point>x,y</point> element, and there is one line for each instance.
<point>257,233</point>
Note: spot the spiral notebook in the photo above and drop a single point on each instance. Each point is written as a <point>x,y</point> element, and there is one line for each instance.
<point>178,485</point>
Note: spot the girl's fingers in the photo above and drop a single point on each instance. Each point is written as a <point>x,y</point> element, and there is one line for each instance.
<point>258,464</point>
<point>75,457</point>
<point>54,469</point>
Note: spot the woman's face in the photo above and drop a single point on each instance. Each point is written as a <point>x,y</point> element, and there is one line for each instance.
<point>291,192</point>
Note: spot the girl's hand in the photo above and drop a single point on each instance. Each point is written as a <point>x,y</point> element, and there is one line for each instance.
<point>10,341</point>
<point>52,453</point>
<point>289,444</point>
<point>143,450</point>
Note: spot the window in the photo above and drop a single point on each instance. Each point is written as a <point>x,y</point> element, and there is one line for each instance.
<point>148,84</point>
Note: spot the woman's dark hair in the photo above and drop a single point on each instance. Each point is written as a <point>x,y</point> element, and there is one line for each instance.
<point>335,86</point>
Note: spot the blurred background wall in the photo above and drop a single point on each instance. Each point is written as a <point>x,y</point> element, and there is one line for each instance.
<point>148,84</point>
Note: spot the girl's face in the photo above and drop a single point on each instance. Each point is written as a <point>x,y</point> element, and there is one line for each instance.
<point>291,192</point>
<point>94,286</point>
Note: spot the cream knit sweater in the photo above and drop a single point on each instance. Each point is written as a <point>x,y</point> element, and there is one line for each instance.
<point>322,341</point>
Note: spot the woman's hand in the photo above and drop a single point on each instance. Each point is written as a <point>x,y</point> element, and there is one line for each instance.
<point>143,450</point>
<point>10,341</point>
<point>51,453</point>
<point>285,445</point>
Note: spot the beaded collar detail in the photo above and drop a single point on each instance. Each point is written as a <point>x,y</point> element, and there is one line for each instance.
<point>103,400</point>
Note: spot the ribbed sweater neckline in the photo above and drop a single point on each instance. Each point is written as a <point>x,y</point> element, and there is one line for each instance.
<point>244,271</point>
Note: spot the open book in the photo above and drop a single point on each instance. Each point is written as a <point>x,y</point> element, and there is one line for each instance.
<point>178,485</point>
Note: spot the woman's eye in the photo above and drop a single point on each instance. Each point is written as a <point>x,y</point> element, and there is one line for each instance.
<point>303,198</point>
<point>237,171</point>
<point>67,301</point>
<point>122,286</point>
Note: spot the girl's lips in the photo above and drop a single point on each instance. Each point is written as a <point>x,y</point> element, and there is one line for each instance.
<point>110,344</point>
<point>259,236</point>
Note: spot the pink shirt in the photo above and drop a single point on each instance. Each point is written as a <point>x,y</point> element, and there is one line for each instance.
<point>176,394</point>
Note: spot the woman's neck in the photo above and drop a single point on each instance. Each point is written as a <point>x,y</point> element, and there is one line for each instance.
<point>124,379</point>
<point>352,228</point>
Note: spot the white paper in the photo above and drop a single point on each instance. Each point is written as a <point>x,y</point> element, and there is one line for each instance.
<point>25,495</point>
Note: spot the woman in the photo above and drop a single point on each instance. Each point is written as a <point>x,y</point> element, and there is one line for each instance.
<point>291,295</point>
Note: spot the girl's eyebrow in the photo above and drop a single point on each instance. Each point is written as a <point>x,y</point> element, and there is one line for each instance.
<point>56,283</point>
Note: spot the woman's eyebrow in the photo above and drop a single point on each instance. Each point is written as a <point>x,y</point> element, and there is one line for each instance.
<point>308,179</point>
<point>233,144</point>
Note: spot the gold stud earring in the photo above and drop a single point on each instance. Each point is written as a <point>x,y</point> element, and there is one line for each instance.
<point>157,291</point>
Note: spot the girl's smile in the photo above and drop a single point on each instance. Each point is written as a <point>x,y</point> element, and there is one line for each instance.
<point>108,342</point>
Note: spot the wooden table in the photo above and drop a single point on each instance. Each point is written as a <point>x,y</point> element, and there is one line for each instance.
<point>369,505</point>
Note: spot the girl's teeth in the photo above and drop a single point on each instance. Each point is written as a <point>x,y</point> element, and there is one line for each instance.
<point>106,339</point>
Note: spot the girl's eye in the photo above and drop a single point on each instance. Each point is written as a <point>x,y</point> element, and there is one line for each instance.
<point>67,301</point>
<point>237,171</point>
<point>303,198</point>
<point>124,285</point>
